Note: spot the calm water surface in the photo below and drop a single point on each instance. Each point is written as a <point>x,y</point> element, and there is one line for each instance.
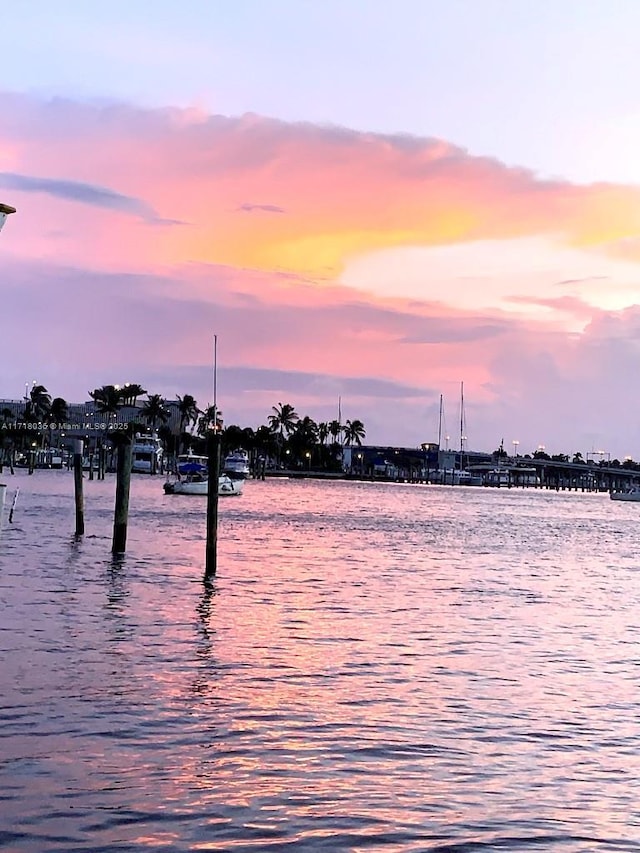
<point>375,667</point>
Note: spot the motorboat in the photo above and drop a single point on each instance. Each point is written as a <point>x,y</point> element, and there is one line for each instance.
<point>146,454</point>
<point>197,483</point>
<point>455,477</point>
<point>236,464</point>
<point>189,463</point>
<point>630,494</point>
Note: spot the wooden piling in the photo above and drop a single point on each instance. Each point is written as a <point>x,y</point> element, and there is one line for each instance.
<point>213,464</point>
<point>3,492</point>
<point>91,465</point>
<point>13,505</point>
<point>78,446</point>
<point>123,483</point>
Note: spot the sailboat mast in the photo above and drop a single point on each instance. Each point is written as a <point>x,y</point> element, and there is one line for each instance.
<point>215,382</point>
<point>461,419</point>
<point>440,425</point>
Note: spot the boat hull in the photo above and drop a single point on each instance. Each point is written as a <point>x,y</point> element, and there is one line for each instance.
<point>633,495</point>
<point>226,487</point>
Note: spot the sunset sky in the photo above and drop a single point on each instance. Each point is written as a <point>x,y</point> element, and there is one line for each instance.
<point>363,200</point>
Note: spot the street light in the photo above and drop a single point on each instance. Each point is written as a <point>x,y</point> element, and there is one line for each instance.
<point>5,210</point>
<point>515,443</point>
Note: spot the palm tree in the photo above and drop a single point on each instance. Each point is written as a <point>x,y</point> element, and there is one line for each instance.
<point>265,443</point>
<point>283,419</point>
<point>354,432</point>
<point>210,418</point>
<point>58,414</point>
<point>188,409</point>
<point>59,411</point>
<point>323,432</point>
<point>154,410</point>
<point>282,422</point>
<point>108,399</point>
<point>130,392</point>
<point>335,430</point>
<point>40,400</point>
<point>304,438</point>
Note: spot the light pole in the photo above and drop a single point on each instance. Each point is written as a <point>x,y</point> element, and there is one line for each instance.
<point>5,210</point>
<point>515,443</point>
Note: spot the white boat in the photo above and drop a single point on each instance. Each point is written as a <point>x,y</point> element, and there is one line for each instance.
<point>236,464</point>
<point>630,494</point>
<point>197,483</point>
<point>454,477</point>
<point>498,477</point>
<point>189,463</point>
<point>146,453</point>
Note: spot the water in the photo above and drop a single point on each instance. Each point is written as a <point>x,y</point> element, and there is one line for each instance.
<point>375,667</point>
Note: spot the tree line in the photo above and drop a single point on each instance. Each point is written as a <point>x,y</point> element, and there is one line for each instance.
<point>286,439</point>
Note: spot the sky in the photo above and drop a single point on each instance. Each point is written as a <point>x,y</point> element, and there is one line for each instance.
<point>368,202</point>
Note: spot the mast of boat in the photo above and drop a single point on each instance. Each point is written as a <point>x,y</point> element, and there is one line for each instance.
<point>215,382</point>
<point>461,417</point>
<point>340,410</point>
<point>440,425</point>
<point>462,425</point>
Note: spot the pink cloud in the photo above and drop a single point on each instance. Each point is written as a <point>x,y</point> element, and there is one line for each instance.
<point>102,285</point>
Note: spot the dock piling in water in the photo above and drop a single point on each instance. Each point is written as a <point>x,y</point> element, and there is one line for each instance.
<point>78,447</point>
<point>123,484</point>
<point>213,464</point>
<point>13,505</point>
<point>3,492</point>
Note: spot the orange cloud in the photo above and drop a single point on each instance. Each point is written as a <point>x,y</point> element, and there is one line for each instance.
<point>141,232</point>
<point>263,194</point>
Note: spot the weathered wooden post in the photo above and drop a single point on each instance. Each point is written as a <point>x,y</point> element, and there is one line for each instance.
<point>3,492</point>
<point>102,459</point>
<point>13,505</point>
<point>78,447</point>
<point>123,484</point>
<point>213,464</point>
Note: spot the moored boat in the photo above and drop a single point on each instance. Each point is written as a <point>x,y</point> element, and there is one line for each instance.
<point>188,463</point>
<point>630,494</point>
<point>236,464</point>
<point>197,483</point>
<point>146,454</point>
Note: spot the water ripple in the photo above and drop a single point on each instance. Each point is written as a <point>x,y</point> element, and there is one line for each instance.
<point>375,667</point>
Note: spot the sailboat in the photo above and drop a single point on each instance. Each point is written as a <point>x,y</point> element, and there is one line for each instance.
<point>464,476</point>
<point>456,476</point>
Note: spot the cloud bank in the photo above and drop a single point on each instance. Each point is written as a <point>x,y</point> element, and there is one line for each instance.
<point>276,219</point>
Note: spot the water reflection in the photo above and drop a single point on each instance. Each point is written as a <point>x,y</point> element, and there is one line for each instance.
<point>372,666</point>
